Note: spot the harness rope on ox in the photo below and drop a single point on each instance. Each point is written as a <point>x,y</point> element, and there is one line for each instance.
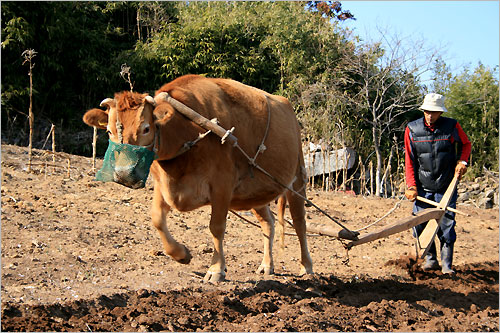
<point>227,135</point>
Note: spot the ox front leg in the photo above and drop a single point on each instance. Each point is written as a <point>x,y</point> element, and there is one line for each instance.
<point>267,224</point>
<point>217,270</point>
<point>159,213</point>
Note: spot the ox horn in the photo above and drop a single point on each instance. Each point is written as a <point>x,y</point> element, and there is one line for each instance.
<point>107,102</point>
<point>161,97</point>
<point>150,100</point>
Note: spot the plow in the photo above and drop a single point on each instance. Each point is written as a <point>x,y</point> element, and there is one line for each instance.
<point>422,243</point>
<point>431,215</point>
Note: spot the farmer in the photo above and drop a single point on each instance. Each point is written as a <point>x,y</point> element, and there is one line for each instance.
<point>436,148</point>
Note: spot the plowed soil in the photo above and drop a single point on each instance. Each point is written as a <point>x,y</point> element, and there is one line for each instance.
<point>80,255</point>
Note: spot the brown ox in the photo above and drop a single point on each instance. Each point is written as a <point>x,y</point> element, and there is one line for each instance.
<point>212,173</point>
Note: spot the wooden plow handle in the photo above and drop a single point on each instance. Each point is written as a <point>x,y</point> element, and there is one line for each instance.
<point>409,222</point>
<point>426,238</point>
<point>399,226</point>
<point>436,204</point>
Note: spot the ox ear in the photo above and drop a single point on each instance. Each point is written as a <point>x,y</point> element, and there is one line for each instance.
<point>96,118</point>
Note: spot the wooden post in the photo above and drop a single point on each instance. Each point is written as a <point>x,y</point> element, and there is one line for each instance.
<point>53,130</point>
<point>329,188</point>
<point>347,156</point>
<point>94,144</point>
<point>336,169</point>
<point>31,121</point>
<point>392,185</point>
<point>312,156</point>
<point>386,181</point>
<point>69,166</point>
<point>362,177</point>
<point>311,169</point>
<point>323,176</point>
<point>371,177</point>
<point>28,56</point>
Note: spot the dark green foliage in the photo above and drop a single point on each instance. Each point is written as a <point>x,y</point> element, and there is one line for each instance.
<point>472,99</point>
<point>80,47</point>
<point>296,49</point>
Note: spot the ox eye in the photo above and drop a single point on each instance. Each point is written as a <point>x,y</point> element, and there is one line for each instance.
<point>145,130</point>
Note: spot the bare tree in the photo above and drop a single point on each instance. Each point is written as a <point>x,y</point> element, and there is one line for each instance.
<point>126,74</point>
<point>152,16</point>
<point>387,75</point>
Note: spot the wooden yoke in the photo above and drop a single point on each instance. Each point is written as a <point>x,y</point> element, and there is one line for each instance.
<point>426,238</point>
<point>210,125</point>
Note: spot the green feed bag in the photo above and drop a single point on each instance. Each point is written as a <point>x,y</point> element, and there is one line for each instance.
<point>126,164</point>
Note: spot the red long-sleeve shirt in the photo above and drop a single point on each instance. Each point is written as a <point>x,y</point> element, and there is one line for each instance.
<point>410,170</point>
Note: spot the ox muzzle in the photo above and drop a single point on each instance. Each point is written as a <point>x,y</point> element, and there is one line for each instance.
<point>126,164</point>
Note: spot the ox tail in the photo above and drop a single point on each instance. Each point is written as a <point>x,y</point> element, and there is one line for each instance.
<point>281,205</point>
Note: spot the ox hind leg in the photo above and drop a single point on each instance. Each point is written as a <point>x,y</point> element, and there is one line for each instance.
<point>266,220</point>
<point>280,207</point>
<point>159,213</point>
<point>298,213</point>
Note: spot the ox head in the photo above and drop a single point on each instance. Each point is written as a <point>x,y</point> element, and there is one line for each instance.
<point>130,123</point>
<point>128,118</point>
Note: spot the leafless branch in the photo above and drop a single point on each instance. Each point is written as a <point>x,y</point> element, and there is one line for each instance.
<point>125,73</point>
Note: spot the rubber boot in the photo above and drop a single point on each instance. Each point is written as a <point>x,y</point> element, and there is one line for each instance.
<point>447,258</point>
<point>431,262</point>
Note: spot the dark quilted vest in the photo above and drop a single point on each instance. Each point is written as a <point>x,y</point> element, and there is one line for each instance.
<point>434,153</point>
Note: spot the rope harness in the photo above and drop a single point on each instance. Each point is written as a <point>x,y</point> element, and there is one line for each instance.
<point>119,128</point>
<point>227,136</point>
<point>212,126</point>
<point>154,145</point>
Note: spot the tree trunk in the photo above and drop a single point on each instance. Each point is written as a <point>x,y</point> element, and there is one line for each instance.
<point>387,169</point>
<point>378,155</point>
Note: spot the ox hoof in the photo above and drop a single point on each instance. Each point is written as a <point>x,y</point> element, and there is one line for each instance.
<point>266,270</point>
<point>214,277</point>
<point>306,271</point>
<point>187,257</point>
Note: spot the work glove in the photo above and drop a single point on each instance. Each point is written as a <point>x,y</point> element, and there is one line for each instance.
<point>411,193</point>
<point>460,169</point>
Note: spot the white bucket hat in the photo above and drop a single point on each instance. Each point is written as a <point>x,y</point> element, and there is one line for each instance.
<point>433,102</point>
